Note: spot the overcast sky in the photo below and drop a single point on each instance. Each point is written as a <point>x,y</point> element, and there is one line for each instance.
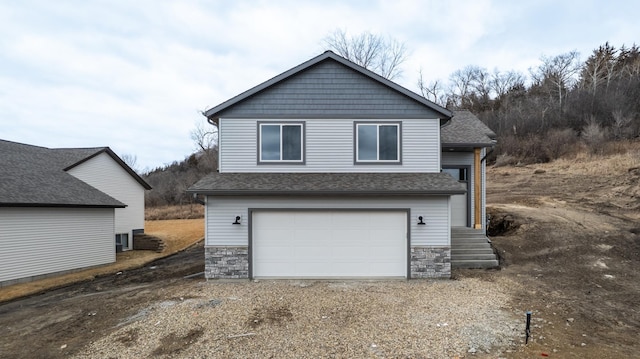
<point>135,75</point>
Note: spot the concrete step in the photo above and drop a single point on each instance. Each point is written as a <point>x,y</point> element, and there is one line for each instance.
<point>472,263</point>
<point>470,246</point>
<point>484,250</point>
<point>467,230</point>
<point>470,240</point>
<point>472,256</point>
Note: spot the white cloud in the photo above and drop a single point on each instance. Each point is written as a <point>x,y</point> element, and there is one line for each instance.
<point>135,75</point>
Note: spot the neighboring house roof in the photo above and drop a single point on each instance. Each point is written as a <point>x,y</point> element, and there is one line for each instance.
<point>215,112</point>
<point>34,176</point>
<point>466,130</point>
<point>328,184</point>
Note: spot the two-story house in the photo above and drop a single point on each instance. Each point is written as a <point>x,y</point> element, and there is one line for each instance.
<point>331,171</point>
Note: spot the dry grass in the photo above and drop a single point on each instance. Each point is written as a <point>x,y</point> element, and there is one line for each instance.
<point>184,211</point>
<point>177,234</point>
<point>620,157</point>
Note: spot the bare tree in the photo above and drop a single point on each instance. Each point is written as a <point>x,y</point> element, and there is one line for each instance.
<point>599,68</point>
<point>205,137</point>
<point>433,91</point>
<point>503,82</point>
<point>470,88</point>
<point>382,55</point>
<point>131,160</point>
<point>558,74</point>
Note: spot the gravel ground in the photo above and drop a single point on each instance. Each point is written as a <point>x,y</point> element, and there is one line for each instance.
<point>320,319</point>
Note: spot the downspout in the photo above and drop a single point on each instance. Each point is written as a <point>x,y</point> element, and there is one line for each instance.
<point>487,154</point>
<point>477,188</point>
<point>484,158</point>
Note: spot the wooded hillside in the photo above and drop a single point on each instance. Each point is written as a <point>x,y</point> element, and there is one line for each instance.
<point>560,105</point>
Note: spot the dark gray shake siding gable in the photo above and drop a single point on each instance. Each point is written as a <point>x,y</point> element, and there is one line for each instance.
<point>329,90</point>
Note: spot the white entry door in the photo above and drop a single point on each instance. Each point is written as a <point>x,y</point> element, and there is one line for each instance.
<point>329,244</point>
<point>459,210</point>
<point>459,202</point>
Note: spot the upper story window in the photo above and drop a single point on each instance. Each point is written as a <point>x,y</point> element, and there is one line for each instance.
<point>281,142</point>
<point>377,142</point>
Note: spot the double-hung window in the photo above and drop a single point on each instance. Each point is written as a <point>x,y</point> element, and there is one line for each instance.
<point>377,142</point>
<point>281,142</point>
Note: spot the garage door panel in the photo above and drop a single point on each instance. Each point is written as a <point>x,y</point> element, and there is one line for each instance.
<point>381,252</point>
<point>382,268</point>
<point>304,220</point>
<point>277,235</point>
<point>272,221</point>
<point>311,236</point>
<point>346,253</point>
<point>349,236</point>
<point>382,220</point>
<point>329,244</point>
<point>311,252</point>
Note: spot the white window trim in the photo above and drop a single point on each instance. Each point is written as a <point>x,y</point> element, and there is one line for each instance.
<point>281,124</point>
<point>378,124</point>
<point>129,240</point>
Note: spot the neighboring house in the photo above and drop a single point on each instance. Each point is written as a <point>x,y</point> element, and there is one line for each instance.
<point>63,209</point>
<point>329,170</point>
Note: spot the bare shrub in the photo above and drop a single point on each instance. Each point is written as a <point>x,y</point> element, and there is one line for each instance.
<point>594,136</point>
<point>621,127</point>
<point>559,143</point>
<point>505,160</point>
<point>525,150</point>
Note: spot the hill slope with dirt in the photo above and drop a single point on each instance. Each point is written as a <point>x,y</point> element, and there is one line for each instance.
<point>568,234</point>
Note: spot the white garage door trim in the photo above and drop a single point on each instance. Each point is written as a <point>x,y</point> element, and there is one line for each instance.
<point>357,243</point>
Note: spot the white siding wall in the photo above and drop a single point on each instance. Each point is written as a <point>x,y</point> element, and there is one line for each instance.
<point>221,212</point>
<point>463,159</point>
<point>329,147</point>
<point>105,174</point>
<point>37,241</point>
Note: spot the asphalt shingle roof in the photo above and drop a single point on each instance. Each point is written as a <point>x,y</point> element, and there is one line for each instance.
<point>32,176</point>
<point>328,184</point>
<point>465,129</point>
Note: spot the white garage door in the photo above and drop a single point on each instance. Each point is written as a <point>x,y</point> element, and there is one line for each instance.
<point>323,244</point>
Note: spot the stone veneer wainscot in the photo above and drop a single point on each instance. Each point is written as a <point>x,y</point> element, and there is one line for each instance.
<point>430,262</point>
<point>233,262</point>
<point>226,262</point>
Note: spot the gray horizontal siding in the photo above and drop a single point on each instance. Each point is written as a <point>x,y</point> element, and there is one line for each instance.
<point>37,241</point>
<point>221,212</point>
<point>329,89</point>
<point>329,147</point>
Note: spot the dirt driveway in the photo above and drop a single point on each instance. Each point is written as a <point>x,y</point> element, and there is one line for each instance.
<point>62,321</point>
